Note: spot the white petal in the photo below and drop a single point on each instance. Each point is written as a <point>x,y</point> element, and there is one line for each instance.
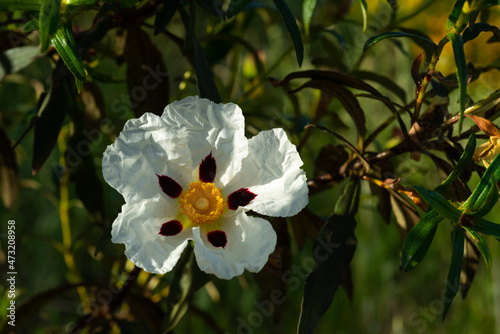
<point>272,171</point>
<point>210,127</point>
<point>145,147</point>
<point>249,242</point>
<point>138,225</point>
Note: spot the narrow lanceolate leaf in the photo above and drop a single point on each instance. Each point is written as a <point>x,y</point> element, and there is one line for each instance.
<point>293,29</point>
<point>487,200</point>
<point>166,12</point>
<point>464,160</point>
<point>333,251</point>
<point>236,6</point>
<point>364,10</point>
<point>65,44</point>
<point>14,60</point>
<point>419,240</point>
<point>458,51</point>
<point>307,12</point>
<point>482,106</point>
<point>453,279</point>
<point>49,22</point>
<point>485,226</point>
<point>147,76</point>
<point>472,32</point>
<point>483,247</point>
<point>188,278</point>
<point>455,14</point>
<point>484,187</point>
<point>384,81</point>
<point>440,204</point>
<point>428,45</point>
<point>50,118</point>
<point>12,5</point>
<point>9,173</point>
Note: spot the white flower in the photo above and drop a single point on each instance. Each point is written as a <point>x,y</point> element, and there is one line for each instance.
<point>191,174</point>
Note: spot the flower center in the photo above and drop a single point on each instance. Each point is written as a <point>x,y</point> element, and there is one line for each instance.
<point>202,203</point>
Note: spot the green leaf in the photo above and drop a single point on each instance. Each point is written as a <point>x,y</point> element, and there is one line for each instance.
<point>485,226</point>
<point>428,45</point>
<point>12,5</point>
<point>440,204</point>
<point>9,172</point>
<point>455,15</point>
<point>464,160</point>
<point>458,51</point>
<point>188,278</point>
<point>484,187</point>
<point>333,251</point>
<point>30,26</point>
<point>364,10</point>
<point>292,27</point>
<point>49,22</point>
<point>384,81</point>
<point>489,200</point>
<point>307,12</point>
<point>15,59</point>
<point>419,240</point>
<point>453,279</point>
<point>483,247</point>
<point>236,6</point>
<point>51,115</point>
<point>164,15</point>
<point>65,44</point>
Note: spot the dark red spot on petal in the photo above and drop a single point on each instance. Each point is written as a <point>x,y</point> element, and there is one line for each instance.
<point>170,228</point>
<point>208,168</point>
<point>169,186</point>
<point>217,238</point>
<point>240,197</point>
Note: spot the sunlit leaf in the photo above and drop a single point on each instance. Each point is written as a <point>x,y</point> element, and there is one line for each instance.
<point>455,15</point>
<point>419,240</point>
<point>333,251</point>
<point>65,44</point>
<point>453,279</point>
<point>484,187</point>
<point>293,29</point>
<point>364,9</point>
<point>482,225</point>
<point>49,22</point>
<point>307,12</point>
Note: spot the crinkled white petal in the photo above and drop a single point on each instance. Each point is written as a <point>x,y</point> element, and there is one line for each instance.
<point>272,171</point>
<point>138,225</point>
<point>147,146</point>
<point>210,127</point>
<point>249,242</point>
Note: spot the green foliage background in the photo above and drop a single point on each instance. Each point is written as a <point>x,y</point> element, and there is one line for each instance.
<point>70,274</point>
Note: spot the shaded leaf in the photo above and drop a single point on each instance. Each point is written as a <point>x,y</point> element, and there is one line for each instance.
<point>485,226</point>
<point>12,5</point>
<point>453,279</point>
<point>166,12</point>
<point>455,15</point>
<point>9,173</point>
<point>293,29</point>
<point>428,45</point>
<point>333,251</point>
<point>384,81</point>
<point>419,240</point>
<point>330,158</point>
<point>188,278</point>
<point>236,6</point>
<point>145,311</point>
<point>48,22</point>
<point>472,32</point>
<point>15,59</point>
<point>51,115</point>
<point>147,77</point>
<point>439,203</point>
<point>458,51</point>
<point>470,265</point>
<point>305,224</point>
<point>307,12</point>
<point>406,215</point>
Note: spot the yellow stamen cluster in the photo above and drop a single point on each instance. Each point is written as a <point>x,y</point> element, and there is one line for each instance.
<point>202,203</point>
